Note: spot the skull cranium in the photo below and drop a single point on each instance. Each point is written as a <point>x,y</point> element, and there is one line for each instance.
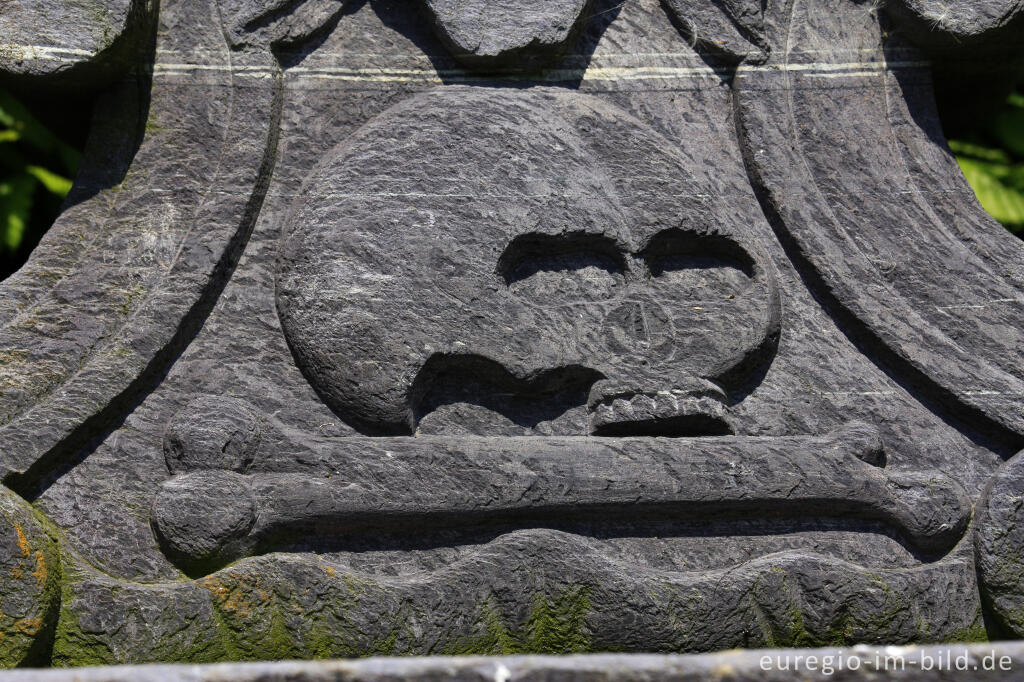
<point>539,243</point>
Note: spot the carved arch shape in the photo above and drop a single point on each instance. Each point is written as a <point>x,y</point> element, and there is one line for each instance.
<point>123,281</point>
<point>856,197</point>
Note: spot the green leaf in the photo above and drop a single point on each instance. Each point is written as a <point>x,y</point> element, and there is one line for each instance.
<point>54,183</point>
<point>1015,177</point>
<point>16,117</point>
<point>1003,203</point>
<point>1009,130</point>
<point>11,160</point>
<point>15,205</point>
<point>1000,171</point>
<point>977,151</point>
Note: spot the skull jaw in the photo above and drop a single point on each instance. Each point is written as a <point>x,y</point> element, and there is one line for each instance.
<point>690,408</point>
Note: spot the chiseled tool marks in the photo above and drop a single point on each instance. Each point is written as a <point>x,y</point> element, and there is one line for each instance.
<point>855,228</point>
<point>299,606</point>
<point>207,517</point>
<point>153,254</point>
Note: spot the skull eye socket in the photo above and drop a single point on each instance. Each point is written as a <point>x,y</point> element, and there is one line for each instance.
<point>574,266</point>
<point>698,266</point>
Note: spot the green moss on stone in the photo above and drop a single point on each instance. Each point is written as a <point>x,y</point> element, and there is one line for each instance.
<point>973,633</point>
<point>30,585</point>
<point>73,646</point>
<point>554,626</point>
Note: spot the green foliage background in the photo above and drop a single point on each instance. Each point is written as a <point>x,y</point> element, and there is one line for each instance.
<point>36,170</point>
<point>992,159</point>
<point>37,167</point>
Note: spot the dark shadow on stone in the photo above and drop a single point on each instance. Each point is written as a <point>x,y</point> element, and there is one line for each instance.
<point>599,16</point>
<point>93,431</point>
<point>40,653</point>
<point>106,127</point>
<point>292,54</point>
<point>683,426</point>
<point>917,85</point>
<point>474,380</point>
<point>721,62</point>
<point>973,73</point>
<point>614,522</point>
<point>972,423</point>
<point>531,253</point>
<point>118,126</point>
<point>676,249</point>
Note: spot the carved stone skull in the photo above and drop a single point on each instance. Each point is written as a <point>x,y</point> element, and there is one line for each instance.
<point>517,251</point>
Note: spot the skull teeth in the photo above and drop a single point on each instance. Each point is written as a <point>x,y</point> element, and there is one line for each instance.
<point>645,407</point>
<point>622,409</point>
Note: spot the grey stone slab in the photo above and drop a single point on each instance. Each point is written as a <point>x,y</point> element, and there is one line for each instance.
<point>378,328</point>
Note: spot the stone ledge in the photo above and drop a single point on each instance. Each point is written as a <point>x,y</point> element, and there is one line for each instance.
<point>964,663</point>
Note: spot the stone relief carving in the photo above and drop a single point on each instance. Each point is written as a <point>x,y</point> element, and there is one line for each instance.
<point>382,328</point>
<point>535,247</point>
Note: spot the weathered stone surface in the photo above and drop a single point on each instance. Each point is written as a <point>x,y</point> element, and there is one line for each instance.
<point>557,272</point>
<point>549,327</point>
<point>947,24</point>
<point>1000,546</point>
<point>489,33</point>
<point>201,516</point>
<point>733,29</point>
<point>71,43</point>
<point>30,584</point>
<point>213,432</point>
<point>507,482</point>
<point>919,310</point>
